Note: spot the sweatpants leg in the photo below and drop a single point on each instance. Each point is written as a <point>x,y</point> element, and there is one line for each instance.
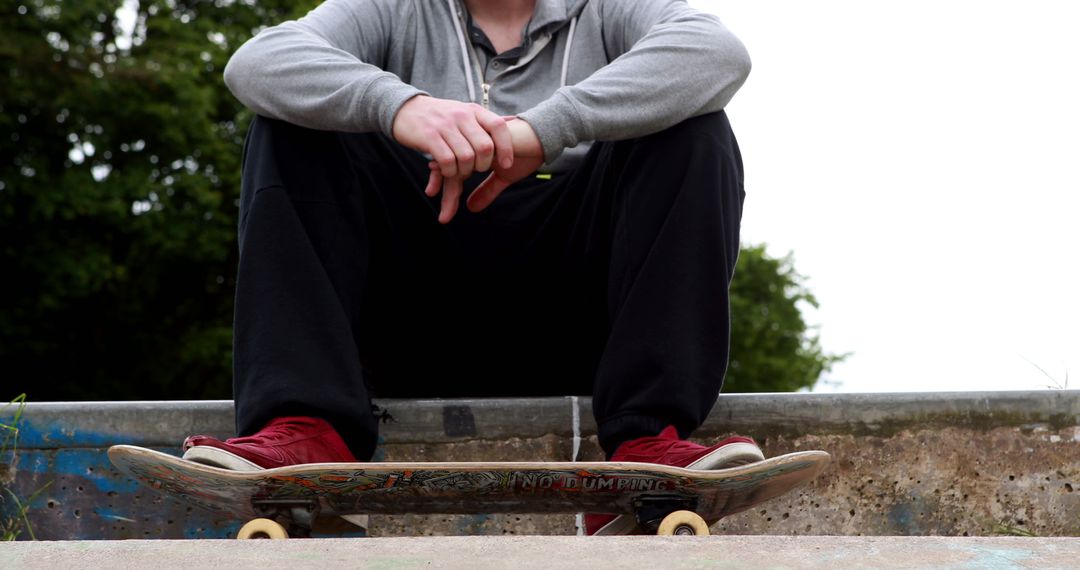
<point>612,279</point>
<point>649,230</point>
<point>313,235</point>
<point>674,247</point>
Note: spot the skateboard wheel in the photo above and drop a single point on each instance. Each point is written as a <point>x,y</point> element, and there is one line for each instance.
<point>261,528</point>
<point>683,523</point>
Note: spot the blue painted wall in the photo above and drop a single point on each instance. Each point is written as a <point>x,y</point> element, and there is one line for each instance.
<point>70,490</point>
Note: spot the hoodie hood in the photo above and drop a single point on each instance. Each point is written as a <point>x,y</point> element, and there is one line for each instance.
<point>553,14</point>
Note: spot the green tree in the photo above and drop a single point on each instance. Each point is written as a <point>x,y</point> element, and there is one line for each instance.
<point>772,348</point>
<point>119,169</point>
<point>119,174</point>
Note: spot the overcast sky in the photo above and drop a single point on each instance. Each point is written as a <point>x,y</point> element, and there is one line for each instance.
<point>921,159</point>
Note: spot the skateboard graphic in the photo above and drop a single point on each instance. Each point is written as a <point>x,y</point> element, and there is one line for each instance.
<point>292,500</point>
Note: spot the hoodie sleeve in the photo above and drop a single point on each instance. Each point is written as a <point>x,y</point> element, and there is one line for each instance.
<point>325,70</point>
<point>669,62</point>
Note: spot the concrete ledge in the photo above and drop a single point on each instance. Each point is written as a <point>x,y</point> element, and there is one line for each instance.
<point>573,553</point>
<point>54,425</point>
<point>885,414</point>
<point>955,464</point>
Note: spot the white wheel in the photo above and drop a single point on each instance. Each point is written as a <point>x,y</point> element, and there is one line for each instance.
<point>261,528</point>
<point>686,523</point>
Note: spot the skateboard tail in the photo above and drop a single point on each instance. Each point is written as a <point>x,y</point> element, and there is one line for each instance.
<point>764,486</point>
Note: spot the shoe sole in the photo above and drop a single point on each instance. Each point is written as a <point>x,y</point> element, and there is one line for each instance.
<point>215,457</point>
<point>731,455</point>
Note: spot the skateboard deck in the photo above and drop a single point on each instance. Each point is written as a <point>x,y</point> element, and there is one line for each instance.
<point>299,493</point>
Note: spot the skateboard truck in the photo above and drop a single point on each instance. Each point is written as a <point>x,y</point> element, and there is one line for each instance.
<point>650,510</point>
<point>300,515</point>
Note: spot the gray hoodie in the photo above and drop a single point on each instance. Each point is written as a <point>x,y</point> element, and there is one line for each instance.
<point>591,69</point>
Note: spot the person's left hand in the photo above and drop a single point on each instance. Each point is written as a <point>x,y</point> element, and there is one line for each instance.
<point>528,156</point>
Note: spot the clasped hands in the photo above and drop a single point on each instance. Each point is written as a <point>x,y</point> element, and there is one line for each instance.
<point>463,138</point>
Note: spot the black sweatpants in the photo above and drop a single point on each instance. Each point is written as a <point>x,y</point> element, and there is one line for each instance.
<point>610,280</point>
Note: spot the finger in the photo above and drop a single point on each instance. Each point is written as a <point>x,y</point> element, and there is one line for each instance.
<point>500,136</point>
<point>463,151</point>
<point>481,143</point>
<point>450,199</point>
<point>434,183</point>
<point>444,156</point>
<point>486,192</point>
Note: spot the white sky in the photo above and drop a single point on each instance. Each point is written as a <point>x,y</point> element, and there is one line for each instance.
<point>921,159</point>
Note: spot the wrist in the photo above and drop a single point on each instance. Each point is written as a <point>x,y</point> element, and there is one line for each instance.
<point>526,142</point>
<point>393,110</point>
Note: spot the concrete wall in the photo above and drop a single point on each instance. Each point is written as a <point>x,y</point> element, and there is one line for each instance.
<point>957,464</point>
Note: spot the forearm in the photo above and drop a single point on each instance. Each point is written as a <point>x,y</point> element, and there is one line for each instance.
<point>310,72</point>
<point>686,65</point>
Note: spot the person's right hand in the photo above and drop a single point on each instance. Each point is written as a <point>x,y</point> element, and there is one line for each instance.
<point>461,138</point>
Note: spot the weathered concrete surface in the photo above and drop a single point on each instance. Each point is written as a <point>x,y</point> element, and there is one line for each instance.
<point>156,424</point>
<point>735,552</point>
<point>946,481</point>
<point>959,464</point>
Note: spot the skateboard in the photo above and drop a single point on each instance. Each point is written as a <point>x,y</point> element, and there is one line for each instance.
<point>291,501</point>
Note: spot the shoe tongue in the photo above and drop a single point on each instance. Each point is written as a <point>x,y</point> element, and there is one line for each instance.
<point>669,433</point>
<point>292,422</point>
<point>281,428</point>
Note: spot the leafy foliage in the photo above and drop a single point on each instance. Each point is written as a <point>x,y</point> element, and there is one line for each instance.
<point>772,348</point>
<point>119,173</point>
<point>119,168</point>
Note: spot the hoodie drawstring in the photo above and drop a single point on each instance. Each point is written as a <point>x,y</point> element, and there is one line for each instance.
<point>566,53</point>
<point>464,48</point>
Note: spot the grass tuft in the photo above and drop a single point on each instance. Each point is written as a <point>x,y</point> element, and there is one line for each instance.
<point>16,521</point>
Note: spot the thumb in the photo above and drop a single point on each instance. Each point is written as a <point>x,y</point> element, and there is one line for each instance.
<point>486,192</point>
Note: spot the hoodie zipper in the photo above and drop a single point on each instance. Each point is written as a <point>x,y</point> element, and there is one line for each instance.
<point>486,88</point>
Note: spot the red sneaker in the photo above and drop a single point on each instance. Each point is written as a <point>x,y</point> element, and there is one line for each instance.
<point>668,449</point>
<point>284,441</point>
